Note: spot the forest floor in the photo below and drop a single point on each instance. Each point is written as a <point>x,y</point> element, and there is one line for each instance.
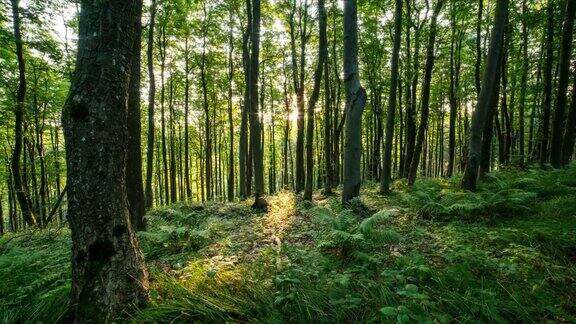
<point>431,253</point>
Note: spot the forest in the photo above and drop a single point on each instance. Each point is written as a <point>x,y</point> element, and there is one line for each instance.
<point>287,161</point>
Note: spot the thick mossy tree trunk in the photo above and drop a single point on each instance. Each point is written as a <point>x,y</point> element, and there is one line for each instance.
<point>425,95</point>
<point>387,166</point>
<point>108,272</point>
<point>323,56</point>
<point>355,102</point>
<point>563,79</point>
<point>134,185</point>
<point>489,84</point>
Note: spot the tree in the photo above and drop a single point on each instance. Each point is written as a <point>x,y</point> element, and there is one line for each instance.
<point>255,119</point>
<point>322,58</point>
<point>546,107</point>
<point>425,94</point>
<point>134,186</point>
<point>355,102</point>
<point>19,184</point>
<point>108,271</point>
<point>151,98</point>
<point>487,90</point>
<point>387,166</point>
<point>563,78</point>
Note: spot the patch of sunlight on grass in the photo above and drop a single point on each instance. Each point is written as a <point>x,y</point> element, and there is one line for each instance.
<point>281,210</point>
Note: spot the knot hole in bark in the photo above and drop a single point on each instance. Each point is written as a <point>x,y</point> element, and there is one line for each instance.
<point>79,110</point>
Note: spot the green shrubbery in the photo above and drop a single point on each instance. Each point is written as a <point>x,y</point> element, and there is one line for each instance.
<point>34,276</point>
<point>431,253</point>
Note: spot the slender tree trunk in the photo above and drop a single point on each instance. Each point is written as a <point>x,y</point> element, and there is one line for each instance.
<point>454,88</point>
<point>151,98</point>
<point>108,271</point>
<point>478,63</point>
<point>570,132</point>
<point>524,80</point>
<point>489,84</point>
<point>172,139</point>
<point>547,84</point>
<point>322,57</point>
<point>425,95</point>
<point>186,116</point>
<point>328,141</point>
<point>255,121</point>
<point>230,118</point>
<point>355,102</point>
<point>244,173</point>
<point>19,184</point>
<point>486,149</point>
<point>563,79</point>
<point>163,46</point>
<point>134,188</point>
<point>386,177</point>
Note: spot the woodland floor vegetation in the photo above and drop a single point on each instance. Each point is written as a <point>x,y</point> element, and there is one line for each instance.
<point>427,253</point>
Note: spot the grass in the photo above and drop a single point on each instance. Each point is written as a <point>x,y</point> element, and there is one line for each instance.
<point>431,253</point>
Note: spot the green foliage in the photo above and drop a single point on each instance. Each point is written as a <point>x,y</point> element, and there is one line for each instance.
<point>34,277</point>
<point>347,236</point>
<point>300,264</point>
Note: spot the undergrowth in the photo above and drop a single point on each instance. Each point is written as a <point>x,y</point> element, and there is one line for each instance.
<point>430,253</point>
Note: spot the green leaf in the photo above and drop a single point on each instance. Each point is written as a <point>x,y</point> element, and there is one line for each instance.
<point>388,311</point>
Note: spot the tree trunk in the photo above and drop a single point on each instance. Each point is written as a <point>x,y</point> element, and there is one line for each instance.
<point>108,272</point>
<point>489,84</point>
<point>255,121</point>
<point>570,132</point>
<point>151,98</point>
<point>524,81</point>
<point>134,188</point>
<point>163,46</point>
<point>386,177</point>
<point>186,116</point>
<point>322,57</point>
<point>244,174</point>
<point>546,107</point>
<point>425,95</point>
<point>230,119</point>
<point>19,185</point>
<point>355,102</point>
<point>563,78</point>
<point>454,88</point>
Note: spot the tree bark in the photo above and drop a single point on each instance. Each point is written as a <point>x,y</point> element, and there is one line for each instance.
<point>355,102</point>
<point>244,174</point>
<point>230,119</point>
<point>487,90</point>
<point>255,119</point>
<point>108,272</point>
<point>134,188</point>
<point>425,95</point>
<point>387,165</point>
<point>563,78</point>
<point>151,98</point>
<point>19,184</point>
<point>546,107</point>
<point>570,132</point>
<point>523,81</point>
<point>322,57</point>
